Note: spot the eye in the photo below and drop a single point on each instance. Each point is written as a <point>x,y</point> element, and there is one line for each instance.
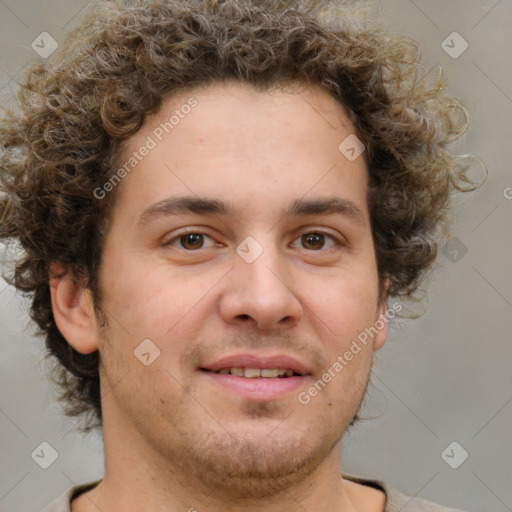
<point>191,241</point>
<point>316,240</point>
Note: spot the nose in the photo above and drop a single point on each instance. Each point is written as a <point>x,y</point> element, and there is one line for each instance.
<point>261,294</point>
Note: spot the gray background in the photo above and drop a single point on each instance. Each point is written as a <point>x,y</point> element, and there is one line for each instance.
<point>443,378</point>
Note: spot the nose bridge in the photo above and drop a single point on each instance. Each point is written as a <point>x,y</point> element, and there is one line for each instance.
<point>264,275</point>
<point>259,288</point>
<point>261,272</point>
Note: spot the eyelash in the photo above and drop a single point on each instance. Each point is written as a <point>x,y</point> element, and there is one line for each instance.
<point>336,240</point>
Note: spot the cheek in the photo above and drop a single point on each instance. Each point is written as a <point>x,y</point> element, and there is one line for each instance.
<point>152,300</point>
<point>133,289</point>
<point>348,307</point>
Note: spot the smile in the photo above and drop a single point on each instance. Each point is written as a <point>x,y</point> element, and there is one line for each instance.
<point>254,373</point>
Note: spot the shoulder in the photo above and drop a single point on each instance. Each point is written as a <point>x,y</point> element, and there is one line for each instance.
<point>63,502</point>
<point>396,501</point>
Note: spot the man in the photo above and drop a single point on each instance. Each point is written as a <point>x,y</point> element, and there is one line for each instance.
<point>216,201</point>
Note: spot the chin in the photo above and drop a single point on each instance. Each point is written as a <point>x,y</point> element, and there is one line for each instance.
<point>254,464</point>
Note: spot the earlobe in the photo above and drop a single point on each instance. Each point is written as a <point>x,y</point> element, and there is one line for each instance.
<point>382,321</point>
<point>73,311</point>
<point>382,326</point>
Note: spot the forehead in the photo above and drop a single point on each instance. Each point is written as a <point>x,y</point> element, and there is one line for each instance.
<point>230,141</point>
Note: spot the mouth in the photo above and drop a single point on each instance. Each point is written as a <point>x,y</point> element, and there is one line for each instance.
<point>256,373</point>
<point>251,365</point>
<point>256,377</point>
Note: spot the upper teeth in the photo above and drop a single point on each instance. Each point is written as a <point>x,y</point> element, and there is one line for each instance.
<point>257,372</point>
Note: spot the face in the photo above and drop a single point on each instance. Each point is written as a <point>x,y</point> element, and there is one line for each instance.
<point>240,240</point>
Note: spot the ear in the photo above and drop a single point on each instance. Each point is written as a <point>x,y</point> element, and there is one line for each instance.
<point>73,310</point>
<point>382,320</point>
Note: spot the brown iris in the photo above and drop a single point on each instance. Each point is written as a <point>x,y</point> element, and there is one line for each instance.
<point>192,241</point>
<point>314,240</point>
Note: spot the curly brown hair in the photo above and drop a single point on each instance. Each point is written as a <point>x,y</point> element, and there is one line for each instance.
<point>74,112</point>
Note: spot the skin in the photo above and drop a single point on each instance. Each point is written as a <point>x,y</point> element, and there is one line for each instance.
<point>173,439</point>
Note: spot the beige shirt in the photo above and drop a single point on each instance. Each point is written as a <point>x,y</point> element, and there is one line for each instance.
<point>395,500</point>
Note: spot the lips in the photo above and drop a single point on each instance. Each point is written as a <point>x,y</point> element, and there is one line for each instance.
<point>270,362</point>
<point>252,377</point>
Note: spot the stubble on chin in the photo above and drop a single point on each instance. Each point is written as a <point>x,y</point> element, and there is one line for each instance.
<point>247,468</point>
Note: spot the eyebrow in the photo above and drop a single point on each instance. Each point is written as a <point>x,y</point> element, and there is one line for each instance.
<point>186,204</point>
<point>212,207</point>
<point>329,206</point>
